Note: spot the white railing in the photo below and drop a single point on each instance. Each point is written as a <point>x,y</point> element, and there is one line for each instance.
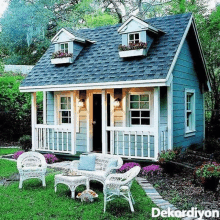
<point>136,142</point>
<point>54,138</point>
<point>132,142</point>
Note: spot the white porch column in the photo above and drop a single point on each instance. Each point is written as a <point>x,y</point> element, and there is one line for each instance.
<point>156,121</point>
<point>44,108</point>
<point>170,116</point>
<point>73,122</point>
<point>104,122</point>
<point>33,119</point>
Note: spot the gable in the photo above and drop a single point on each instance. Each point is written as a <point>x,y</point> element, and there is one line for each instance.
<point>133,26</point>
<point>63,37</point>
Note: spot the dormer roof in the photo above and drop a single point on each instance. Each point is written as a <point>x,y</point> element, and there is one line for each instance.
<point>71,35</point>
<point>134,24</point>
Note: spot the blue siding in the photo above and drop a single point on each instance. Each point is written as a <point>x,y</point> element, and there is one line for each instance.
<point>50,108</point>
<point>185,77</point>
<point>81,137</point>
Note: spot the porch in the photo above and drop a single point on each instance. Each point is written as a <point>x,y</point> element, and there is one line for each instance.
<point>116,137</point>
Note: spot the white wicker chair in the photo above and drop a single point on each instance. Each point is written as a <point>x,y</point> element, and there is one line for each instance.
<point>31,165</point>
<point>119,185</point>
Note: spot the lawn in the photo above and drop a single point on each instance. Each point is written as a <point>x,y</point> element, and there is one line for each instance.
<point>4,151</point>
<point>35,202</point>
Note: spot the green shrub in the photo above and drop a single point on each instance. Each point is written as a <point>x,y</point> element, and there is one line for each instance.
<point>25,142</point>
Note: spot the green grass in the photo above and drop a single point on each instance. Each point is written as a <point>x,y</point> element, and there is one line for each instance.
<point>4,151</point>
<point>35,202</point>
<point>7,168</point>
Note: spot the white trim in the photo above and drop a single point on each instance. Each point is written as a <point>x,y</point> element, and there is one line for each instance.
<point>150,108</point>
<point>193,130</point>
<point>88,122</point>
<point>202,54</point>
<point>156,122</point>
<point>133,33</point>
<point>170,115</point>
<point>44,107</point>
<point>179,49</point>
<point>103,85</point>
<point>73,124</point>
<point>146,25</point>
<point>33,119</point>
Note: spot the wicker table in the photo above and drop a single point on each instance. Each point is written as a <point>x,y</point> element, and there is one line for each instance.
<point>72,182</point>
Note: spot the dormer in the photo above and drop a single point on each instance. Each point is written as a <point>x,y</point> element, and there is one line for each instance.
<point>137,37</point>
<point>68,45</point>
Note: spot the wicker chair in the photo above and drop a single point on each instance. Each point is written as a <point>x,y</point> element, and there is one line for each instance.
<point>31,165</point>
<point>119,185</point>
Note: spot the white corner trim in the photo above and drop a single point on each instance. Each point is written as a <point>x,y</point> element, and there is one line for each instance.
<point>179,48</point>
<point>89,86</point>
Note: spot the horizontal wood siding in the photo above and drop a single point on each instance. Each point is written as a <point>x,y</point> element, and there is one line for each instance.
<point>81,136</point>
<point>50,108</point>
<point>185,77</point>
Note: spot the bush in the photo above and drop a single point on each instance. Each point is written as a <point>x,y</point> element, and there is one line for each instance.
<point>25,142</point>
<point>151,170</point>
<point>127,166</point>
<point>166,156</point>
<point>50,158</point>
<point>17,154</point>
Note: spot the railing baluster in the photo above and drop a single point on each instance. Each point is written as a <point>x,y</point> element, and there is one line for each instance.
<point>40,138</point>
<point>37,144</point>
<point>123,143</point>
<point>142,144</point>
<point>44,138</point>
<point>117,142</point>
<point>135,143</point>
<point>129,143</point>
<point>57,139</point>
<point>53,138</point>
<point>164,139</point>
<point>67,140</point>
<point>148,144</point>
<point>48,139</point>
<point>62,139</point>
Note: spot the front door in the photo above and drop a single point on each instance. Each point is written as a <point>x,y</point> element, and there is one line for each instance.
<point>97,122</point>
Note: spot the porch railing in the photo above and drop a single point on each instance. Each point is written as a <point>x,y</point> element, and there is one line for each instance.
<point>134,142</point>
<point>54,138</point>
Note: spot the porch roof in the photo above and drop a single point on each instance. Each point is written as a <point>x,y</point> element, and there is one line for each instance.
<point>100,62</point>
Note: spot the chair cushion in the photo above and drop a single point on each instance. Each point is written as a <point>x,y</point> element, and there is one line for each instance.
<point>98,174</point>
<point>87,162</point>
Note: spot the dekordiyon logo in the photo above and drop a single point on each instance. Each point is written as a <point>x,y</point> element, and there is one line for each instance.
<point>194,213</point>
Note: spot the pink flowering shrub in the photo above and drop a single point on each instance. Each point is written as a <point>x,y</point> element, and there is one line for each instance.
<point>151,170</point>
<point>50,158</point>
<point>127,166</point>
<point>17,154</point>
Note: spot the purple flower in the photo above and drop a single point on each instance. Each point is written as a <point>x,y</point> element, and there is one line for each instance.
<point>17,154</point>
<point>151,170</point>
<point>50,158</point>
<point>127,166</point>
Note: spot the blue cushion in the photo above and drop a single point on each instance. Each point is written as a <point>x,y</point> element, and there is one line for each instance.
<point>87,162</point>
<point>112,163</point>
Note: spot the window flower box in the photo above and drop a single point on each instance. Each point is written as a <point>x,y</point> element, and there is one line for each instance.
<point>62,60</point>
<point>60,57</point>
<point>133,50</point>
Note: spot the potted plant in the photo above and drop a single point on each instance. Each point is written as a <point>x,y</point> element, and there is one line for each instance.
<point>209,174</point>
<point>165,158</point>
<point>61,57</point>
<point>133,49</point>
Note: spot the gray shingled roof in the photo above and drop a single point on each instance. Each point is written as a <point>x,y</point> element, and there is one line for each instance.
<point>100,62</point>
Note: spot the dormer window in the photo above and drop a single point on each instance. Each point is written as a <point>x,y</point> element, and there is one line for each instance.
<point>64,47</point>
<point>133,38</point>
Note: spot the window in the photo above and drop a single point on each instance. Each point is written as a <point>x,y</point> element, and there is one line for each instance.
<point>65,110</point>
<point>133,38</point>
<point>140,109</point>
<point>190,110</point>
<point>64,48</point>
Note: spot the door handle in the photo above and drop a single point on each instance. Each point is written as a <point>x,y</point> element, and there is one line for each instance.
<point>94,122</point>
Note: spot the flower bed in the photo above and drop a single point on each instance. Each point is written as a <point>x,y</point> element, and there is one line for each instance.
<point>136,46</point>
<point>60,54</point>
